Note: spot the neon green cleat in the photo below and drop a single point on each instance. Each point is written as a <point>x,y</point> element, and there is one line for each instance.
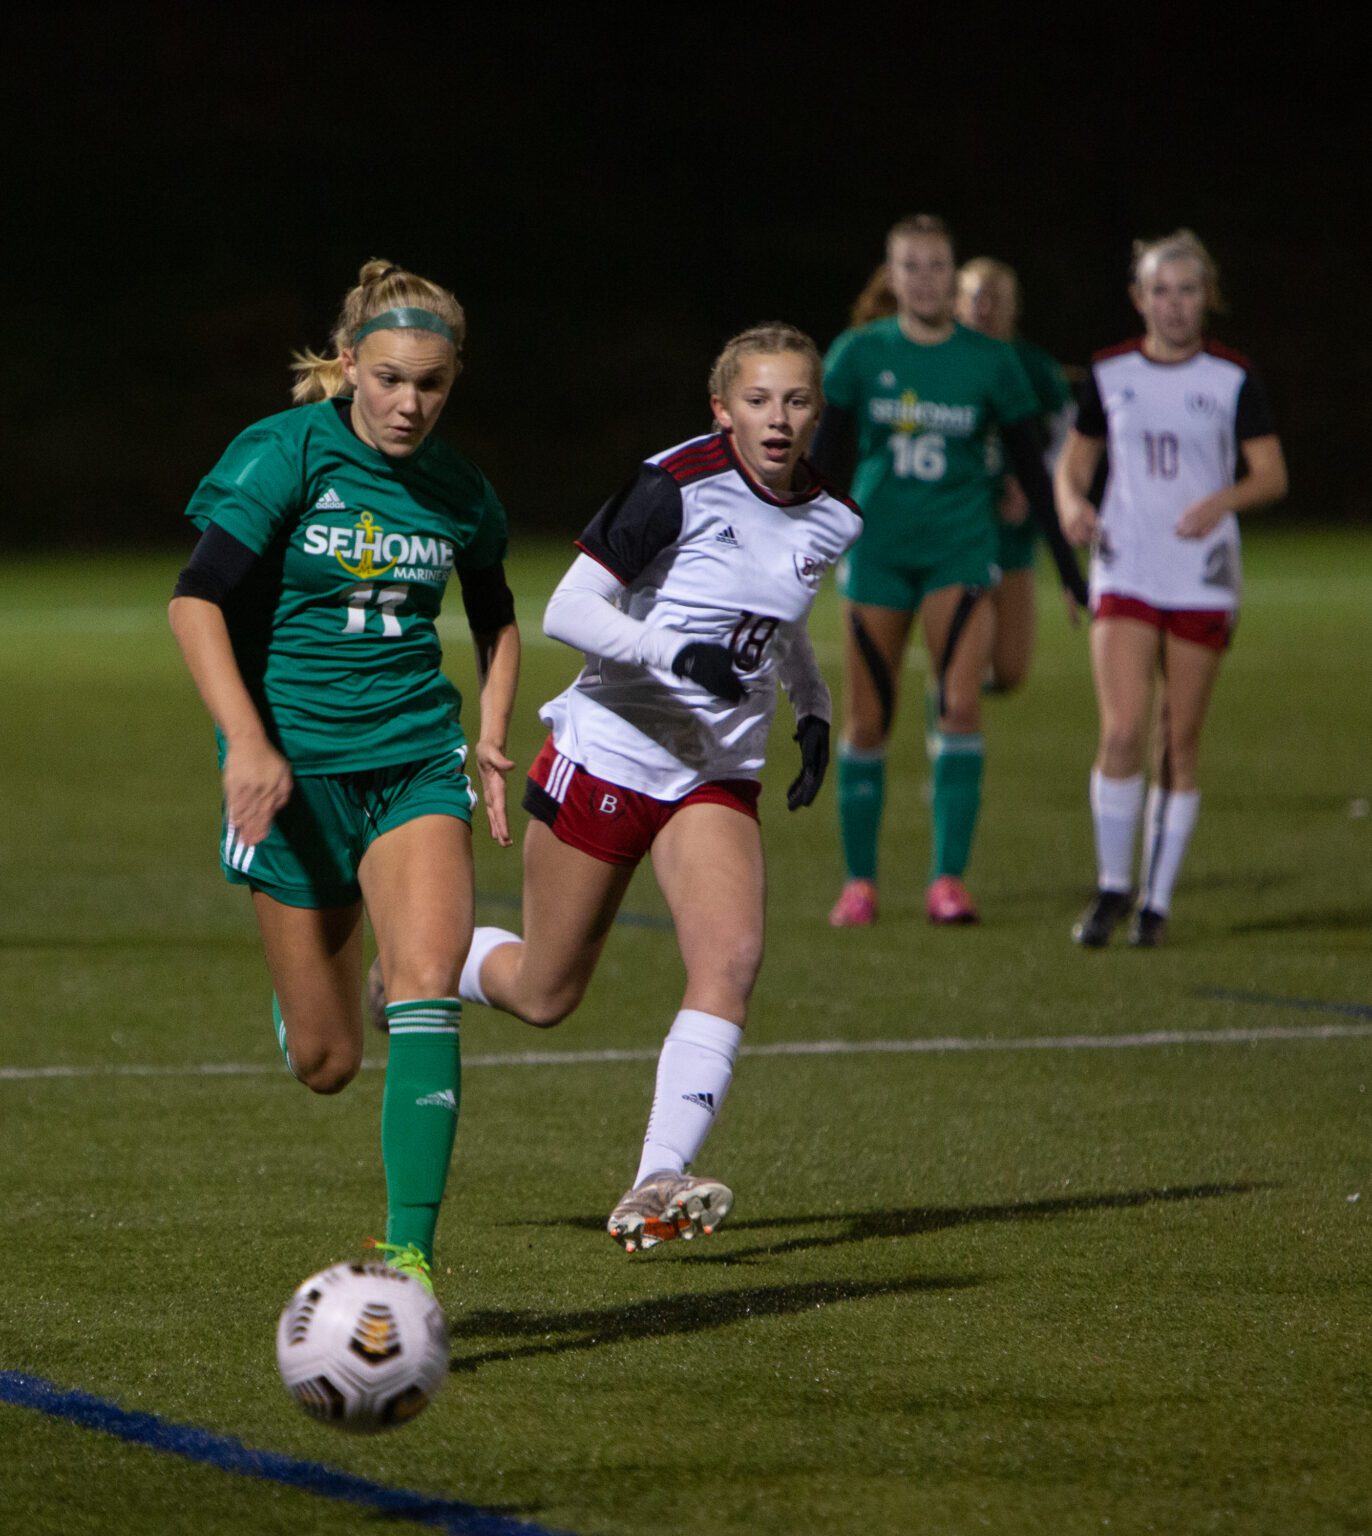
<point>408,1258</point>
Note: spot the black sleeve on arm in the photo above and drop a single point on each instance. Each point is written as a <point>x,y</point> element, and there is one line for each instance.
<point>635,525</point>
<point>1022,449</point>
<point>834,450</point>
<point>217,564</point>
<point>487,599</point>
<point>1090,420</point>
<point>1252,412</point>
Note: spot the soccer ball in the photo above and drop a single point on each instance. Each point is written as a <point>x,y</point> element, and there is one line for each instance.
<point>362,1347</point>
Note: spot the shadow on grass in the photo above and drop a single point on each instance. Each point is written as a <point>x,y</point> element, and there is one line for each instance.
<point>915,1221</point>
<point>557,1333</point>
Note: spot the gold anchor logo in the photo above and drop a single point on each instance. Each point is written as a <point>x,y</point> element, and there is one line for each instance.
<point>366,568</point>
<point>909,421</point>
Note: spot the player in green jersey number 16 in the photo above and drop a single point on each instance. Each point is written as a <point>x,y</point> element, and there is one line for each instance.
<point>911,398</point>
<point>306,619</point>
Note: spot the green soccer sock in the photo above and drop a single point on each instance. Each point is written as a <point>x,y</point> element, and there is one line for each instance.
<point>957,799</point>
<point>280,1023</point>
<point>861,794</point>
<point>419,1115</point>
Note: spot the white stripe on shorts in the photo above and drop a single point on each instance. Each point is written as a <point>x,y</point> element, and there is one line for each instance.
<point>560,777</point>
<point>237,855</point>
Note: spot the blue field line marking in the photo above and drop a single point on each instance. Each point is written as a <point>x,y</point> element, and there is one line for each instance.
<point>1309,1004</point>
<point>231,1455</point>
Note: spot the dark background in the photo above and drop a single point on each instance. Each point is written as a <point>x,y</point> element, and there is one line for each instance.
<point>611,192</point>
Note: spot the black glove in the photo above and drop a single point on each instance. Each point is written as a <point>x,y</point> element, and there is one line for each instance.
<point>712,667</point>
<point>813,735</point>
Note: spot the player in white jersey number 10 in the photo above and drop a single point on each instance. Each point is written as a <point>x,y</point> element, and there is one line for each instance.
<point>689,598</point>
<point>1176,410</point>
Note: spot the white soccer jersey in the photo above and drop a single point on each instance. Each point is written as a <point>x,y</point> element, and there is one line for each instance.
<point>708,554</point>
<point>1173,431</point>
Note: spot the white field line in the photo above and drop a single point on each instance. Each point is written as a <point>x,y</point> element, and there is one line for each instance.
<point>947,1045</point>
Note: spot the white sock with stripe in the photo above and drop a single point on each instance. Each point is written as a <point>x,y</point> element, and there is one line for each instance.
<point>1115,808</point>
<point>694,1070</point>
<point>484,940</point>
<point>1168,822</point>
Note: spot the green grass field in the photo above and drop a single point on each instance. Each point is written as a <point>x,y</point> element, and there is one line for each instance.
<point>1095,1283</point>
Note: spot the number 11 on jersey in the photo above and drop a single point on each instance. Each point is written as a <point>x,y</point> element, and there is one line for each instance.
<point>386,599</point>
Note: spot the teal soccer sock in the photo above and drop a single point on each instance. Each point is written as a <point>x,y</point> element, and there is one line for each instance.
<point>861,796</point>
<point>958,763</point>
<point>419,1115</point>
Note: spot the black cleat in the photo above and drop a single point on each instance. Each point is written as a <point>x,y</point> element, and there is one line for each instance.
<point>1107,909</point>
<point>1148,929</point>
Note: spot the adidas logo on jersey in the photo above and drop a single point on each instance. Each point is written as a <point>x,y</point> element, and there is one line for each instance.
<point>445,1098</point>
<point>330,501</point>
<point>729,537</point>
<point>705,1100</point>
<point>886,379</point>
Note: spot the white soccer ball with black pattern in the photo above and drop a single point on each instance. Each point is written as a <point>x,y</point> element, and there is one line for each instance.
<point>362,1347</point>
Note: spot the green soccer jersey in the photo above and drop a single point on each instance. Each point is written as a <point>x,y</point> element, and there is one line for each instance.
<point>333,629</point>
<point>923,414</point>
<point>1045,376</point>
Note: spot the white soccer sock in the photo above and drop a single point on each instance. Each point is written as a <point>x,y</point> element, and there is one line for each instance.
<point>1168,822</point>
<point>693,1074</point>
<point>1115,807</point>
<point>484,940</point>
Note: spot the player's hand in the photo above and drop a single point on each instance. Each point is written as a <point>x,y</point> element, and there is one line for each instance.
<point>492,765</point>
<point>813,735</point>
<point>712,667</point>
<point>257,783</point>
<point>1079,520</point>
<point>1200,518</point>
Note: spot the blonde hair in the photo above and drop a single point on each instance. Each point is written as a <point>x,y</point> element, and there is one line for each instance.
<point>877,301</point>
<point>381,285</point>
<point>1180,245</point>
<point>776,336</point>
<point>981,267</point>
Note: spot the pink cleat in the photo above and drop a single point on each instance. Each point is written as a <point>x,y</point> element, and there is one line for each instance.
<point>856,906</point>
<point>948,902</point>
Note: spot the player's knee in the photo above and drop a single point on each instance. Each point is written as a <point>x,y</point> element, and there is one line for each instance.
<point>547,1009</point>
<point>730,965</point>
<point>327,1070</point>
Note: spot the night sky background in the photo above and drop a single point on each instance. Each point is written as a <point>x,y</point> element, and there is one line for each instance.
<point>613,191</point>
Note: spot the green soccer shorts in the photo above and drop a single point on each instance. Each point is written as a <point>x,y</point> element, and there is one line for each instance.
<point>311,855</point>
<point>871,579</point>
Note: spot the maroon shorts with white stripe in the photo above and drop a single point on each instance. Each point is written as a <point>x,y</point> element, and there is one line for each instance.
<point>1210,627</point>
<point>611,823</point>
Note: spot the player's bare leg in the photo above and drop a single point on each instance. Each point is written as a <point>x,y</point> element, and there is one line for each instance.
<point>1173,804</point>
<point>314,956</point>
<point>570,902</point>
<point>708,862</point>
<point>959,752</point>
<point>873,655</point>
<point>1124,662</point>
<point>1016,624</point>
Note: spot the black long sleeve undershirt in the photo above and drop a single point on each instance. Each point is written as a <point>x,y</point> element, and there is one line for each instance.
<point>1023,448</point>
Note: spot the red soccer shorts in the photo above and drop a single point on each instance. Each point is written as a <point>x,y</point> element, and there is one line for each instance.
<point>1210,627</point>
<point>611,823</point>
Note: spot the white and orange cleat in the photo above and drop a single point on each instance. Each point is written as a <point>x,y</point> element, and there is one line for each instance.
<point>668,1205</point>
<point>947,901</point>
<point>856,906</point>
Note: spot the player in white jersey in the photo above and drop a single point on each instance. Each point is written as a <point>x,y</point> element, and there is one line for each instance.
<point>1177,412</point>
<point>690,599</point>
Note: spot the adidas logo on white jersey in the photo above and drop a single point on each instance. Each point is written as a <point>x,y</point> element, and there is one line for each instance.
<point>445,1098</point>
<point>729,537</point>
<point>330,501</point>
<point>705,1100</point>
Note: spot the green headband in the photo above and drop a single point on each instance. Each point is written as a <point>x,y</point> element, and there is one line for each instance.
<point>406,320</point>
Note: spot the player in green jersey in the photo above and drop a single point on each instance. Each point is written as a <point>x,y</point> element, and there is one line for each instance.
<point>910,401</point>
<point>989,301</point>
<point>306,618</point>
